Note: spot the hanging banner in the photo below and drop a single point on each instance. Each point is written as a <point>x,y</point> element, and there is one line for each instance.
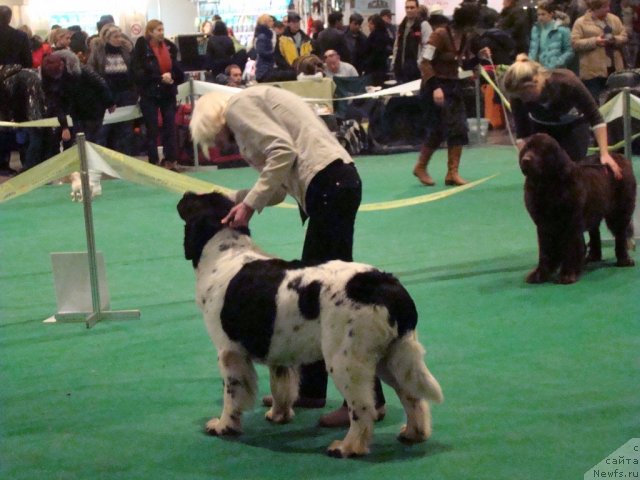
<point>134,170</point>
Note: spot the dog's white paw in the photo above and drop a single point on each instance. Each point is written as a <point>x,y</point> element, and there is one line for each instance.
<point>280,417</point>
<point>96,190</point>
<point>412,435</point>
<point>340,449</point>
<point>76,196</point>
<point>219,429</point>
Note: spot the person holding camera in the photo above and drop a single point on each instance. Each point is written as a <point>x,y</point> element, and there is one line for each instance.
<point>598,37</point>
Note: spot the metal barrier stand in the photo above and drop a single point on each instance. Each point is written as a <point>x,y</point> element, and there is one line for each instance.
<point>98,314</point>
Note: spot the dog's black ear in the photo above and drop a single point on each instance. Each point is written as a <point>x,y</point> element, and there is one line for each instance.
<point>187,206</point>
<point>197,232</point>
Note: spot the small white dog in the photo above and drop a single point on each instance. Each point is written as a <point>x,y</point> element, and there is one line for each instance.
<point>360,320</point>
<point>76,185</point>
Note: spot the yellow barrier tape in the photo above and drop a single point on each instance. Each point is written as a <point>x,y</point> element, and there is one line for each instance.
<point>409,202</point>
<point>118,164</point>
<point>41,123</point>
<point>56,167</point>
<point>490,81</point>
<point>615,147</point>
<point>137,171</point>
<point>120,114</point>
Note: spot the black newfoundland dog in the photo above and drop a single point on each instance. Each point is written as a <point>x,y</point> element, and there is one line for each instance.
<point>566,199</point>
<point>258,308</point>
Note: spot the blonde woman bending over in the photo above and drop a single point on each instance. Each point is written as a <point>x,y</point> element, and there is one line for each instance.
<point>556,102</point>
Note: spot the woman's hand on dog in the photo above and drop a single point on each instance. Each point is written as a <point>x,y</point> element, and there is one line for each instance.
<point>607,159</point>
<point>238,216</point>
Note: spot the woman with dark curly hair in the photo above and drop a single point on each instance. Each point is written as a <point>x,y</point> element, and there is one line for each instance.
<point>378,47</point>
<point>450,50</point>
<point>220,49</point>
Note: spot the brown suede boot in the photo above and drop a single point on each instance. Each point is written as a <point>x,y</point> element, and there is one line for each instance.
<point>452,178</point>
<point>420,170</point>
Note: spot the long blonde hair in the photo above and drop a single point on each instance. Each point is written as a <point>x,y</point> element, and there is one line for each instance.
<point>264,19</point>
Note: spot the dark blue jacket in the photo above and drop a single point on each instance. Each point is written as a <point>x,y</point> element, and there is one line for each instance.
<point>265,60</point>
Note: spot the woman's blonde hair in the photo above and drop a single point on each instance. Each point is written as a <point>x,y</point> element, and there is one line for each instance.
<point>57,34</point>
<point>151,26</point>
<point>264,19</point>
<point>208,117</point>
<point>521,74</point>
<point>107,30</point>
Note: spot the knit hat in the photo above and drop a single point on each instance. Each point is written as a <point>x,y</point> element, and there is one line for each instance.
<point>104,19</point>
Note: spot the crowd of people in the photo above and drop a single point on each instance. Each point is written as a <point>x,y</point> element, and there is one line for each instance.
<point>82,76</point>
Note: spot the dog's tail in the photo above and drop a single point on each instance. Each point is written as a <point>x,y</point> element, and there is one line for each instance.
<point>405,363</point>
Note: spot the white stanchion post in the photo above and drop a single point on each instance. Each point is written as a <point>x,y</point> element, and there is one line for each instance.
<point>97,314</point>
<point>88,223</point>
<point>192,99</point>
<point>628,152</point>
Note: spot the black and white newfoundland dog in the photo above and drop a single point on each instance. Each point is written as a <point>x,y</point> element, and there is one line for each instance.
<point>360,320</point>
<point>566,199</point>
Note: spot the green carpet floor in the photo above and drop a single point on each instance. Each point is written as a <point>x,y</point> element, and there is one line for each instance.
<point>540,382</point>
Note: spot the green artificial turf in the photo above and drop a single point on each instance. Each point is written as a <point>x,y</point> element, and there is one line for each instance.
<point>540,382</point>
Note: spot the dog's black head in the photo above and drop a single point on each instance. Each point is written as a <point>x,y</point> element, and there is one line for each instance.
<point>542,157</point>
<point>202,215</point>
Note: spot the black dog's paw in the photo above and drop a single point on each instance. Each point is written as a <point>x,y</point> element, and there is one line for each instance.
<point>567,278</point>
<point>593,257</point>
<point>537,276</point>
<point>625,262</point>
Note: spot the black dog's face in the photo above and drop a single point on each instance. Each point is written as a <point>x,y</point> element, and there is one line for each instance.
<point>542,156</point>
<point>202,215</point>
<point>214,204</point>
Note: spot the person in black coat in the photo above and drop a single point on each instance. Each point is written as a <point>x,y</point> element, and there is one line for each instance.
<point>377,47</point>
<point>332,38</point>
<point>157,75</point>
<point>514,21</point>
<point>220,49</point>
<point>76,90</point>
<point>15,47</point>
<point>356,41</point>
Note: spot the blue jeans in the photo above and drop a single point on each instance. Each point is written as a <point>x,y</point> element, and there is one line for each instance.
<point>167,107</point>
<point>119,136</point>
